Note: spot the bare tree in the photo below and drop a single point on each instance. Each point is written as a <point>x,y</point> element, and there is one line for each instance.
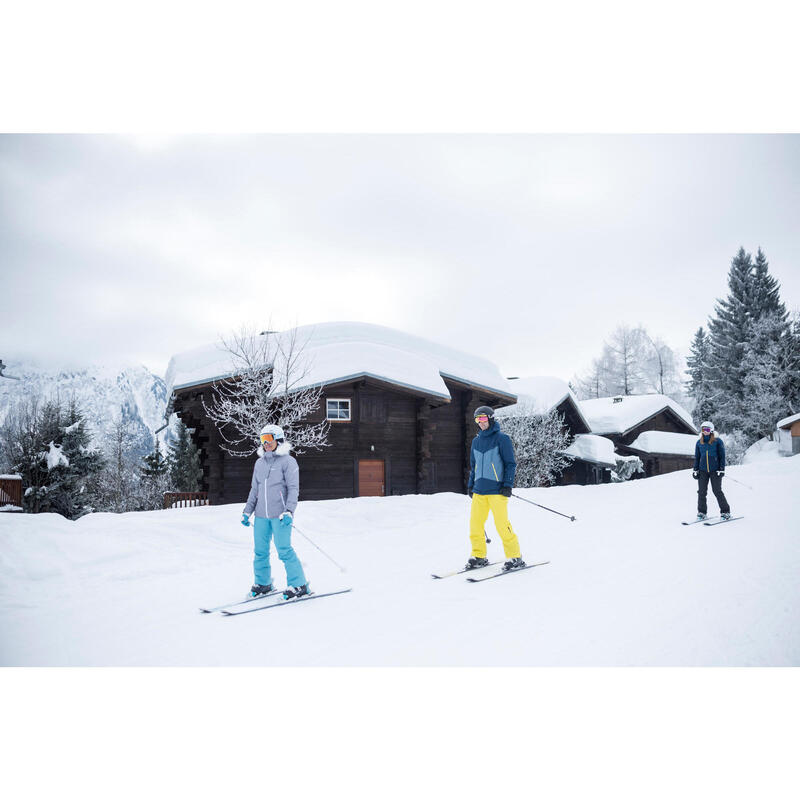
<point>539,442</point>
<point>267,385</point>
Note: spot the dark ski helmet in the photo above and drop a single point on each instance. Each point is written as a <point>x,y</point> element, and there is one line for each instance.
<point>484,410</point>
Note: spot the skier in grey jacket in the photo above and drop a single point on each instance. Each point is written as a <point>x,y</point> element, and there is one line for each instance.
<point>273,496</point>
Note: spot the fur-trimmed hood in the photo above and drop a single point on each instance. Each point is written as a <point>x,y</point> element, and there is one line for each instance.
<point>283,449</point>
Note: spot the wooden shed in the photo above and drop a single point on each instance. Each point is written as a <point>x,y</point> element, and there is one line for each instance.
<point>400,410</point>
<point>623,419</point>
<point>540,395</point>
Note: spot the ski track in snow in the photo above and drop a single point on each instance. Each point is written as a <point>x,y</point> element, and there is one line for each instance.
<point>627,585</point>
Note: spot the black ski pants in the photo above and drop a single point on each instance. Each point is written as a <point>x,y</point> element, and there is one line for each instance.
<point>702,491</point>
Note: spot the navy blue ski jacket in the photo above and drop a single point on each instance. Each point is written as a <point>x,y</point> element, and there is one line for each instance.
<point>492,463</point>
<point>709,454</point>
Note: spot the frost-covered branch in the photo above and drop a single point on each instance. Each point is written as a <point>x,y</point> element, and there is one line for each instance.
<point>267,373</point>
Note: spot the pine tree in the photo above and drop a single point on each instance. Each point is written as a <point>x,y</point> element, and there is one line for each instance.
<point>48,444</point>
<point>155,464</point>
<point>790,366</point>
<point>765,296</point>
<point>79,486</point>
<point>184,462</point>
<point>700,387</point>
<point>763,364</point>
<point>154,480</point>
<point>729,333</point>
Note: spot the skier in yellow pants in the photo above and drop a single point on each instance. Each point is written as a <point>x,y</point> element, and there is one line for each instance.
<point>491,478</point>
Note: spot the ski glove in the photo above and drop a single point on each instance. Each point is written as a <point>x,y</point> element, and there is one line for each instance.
<point>506,491</point>
<point>695,474</point>
<point>245,520</point>
<point>720,473</point>
<point>286,519</point>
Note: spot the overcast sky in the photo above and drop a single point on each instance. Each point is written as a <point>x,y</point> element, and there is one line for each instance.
<point>528,249</point>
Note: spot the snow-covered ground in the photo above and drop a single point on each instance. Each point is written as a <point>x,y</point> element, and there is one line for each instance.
<point>628,584</point>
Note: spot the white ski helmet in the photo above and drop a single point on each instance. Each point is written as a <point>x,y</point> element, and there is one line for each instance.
<point>271,433</point>
<point>707,424</point>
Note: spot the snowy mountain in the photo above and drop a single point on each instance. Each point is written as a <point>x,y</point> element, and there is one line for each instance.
<point>105,393</point>
<point>627,584</point>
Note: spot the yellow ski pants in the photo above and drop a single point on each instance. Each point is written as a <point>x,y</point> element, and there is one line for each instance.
<point>482,504</point>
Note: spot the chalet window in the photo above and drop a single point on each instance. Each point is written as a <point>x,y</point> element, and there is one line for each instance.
<point>338,410</point>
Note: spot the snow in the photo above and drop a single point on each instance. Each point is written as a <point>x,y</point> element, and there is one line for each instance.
<point>607,416</point>
<point>11,477</point>
<point>680,444</point>
<point>788,421</point>
<point>338,351</point>
<point>593,448</point>
<point>627,584</point>
<point>762,450</point>
<point>55,457</point>
<point>10,508</point>
<point>539,395</point>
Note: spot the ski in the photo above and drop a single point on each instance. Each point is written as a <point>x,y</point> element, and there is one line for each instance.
<point>238,602</point>
<point>464,569</point>
<point>288,602</point>
<point>506,572</point>
<point>720,521</point>
<point>695,521</point>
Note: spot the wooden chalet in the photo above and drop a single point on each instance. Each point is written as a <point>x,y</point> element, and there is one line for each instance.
<point>401,413</point>
<point>624,420</point>
<point>539,396</point>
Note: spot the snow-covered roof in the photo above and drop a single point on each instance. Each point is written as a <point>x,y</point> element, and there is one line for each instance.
<point>785,423</point>
<point>679,444</point>
<point>540,395</point>
<point>340,351</point>
<point>607,416</point>
<point>592,448</point>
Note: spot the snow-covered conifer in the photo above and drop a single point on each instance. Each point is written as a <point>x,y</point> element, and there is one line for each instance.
<point>184,462</point>
<point>700,386</point>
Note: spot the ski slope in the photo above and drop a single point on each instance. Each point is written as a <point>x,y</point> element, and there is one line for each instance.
<point>627,583</point>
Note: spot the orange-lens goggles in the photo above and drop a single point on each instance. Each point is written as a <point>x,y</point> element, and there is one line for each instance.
<point>267,438</point>
<point>482,418</point>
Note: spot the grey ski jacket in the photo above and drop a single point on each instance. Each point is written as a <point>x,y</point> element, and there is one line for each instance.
<point>276,484</point>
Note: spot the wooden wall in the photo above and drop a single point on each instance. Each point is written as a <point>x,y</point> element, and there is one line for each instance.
<point>423,442</point>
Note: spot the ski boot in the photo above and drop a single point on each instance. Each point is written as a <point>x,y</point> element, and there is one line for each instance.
<point>258,589</point>
<point>726,515</point>
<point>513,563</point>
<point>700,516</point>
<point>295,591</point>
<point>477,563</point>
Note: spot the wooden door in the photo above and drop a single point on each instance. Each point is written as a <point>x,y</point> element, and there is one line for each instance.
<point>371,478</point>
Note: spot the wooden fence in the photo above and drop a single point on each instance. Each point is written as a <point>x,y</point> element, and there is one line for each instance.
<point>10,491</point>
<point>185,499</point>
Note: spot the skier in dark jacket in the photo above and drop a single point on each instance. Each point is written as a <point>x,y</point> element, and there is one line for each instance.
<point>709,465</point>
<point>492,465</point>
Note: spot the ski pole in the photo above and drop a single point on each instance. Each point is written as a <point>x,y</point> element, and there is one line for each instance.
<point>488,540</point>
<point>571,519</point>
<point>318,548</point>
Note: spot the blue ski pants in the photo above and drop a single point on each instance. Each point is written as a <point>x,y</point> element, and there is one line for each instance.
<point>263,531</point>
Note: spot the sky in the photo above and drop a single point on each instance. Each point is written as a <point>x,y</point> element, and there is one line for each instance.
<point>527,249</point>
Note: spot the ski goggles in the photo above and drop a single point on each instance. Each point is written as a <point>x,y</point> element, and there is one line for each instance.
<point>706,430</point>
<point>267,438</point>
<point>482,418</point>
